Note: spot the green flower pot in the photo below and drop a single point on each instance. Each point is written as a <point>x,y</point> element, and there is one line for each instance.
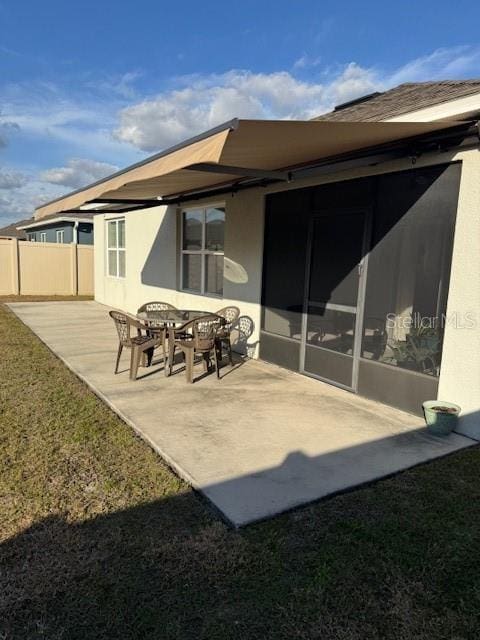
<point>441,417</point>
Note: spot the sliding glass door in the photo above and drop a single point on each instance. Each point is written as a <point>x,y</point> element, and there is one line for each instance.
<point>355,282</point>
<point>333,296</point>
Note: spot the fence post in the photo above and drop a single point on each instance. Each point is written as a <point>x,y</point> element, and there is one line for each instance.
<point>15,268</point>
<point>74,260</point>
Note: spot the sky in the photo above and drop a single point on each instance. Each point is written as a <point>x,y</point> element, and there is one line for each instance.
<point>88,87</point>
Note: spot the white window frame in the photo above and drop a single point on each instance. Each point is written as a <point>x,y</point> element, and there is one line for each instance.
<point>60,236</point>
<point>116,248</point>
<point>43,236</point>
<point>31,237</point>
<point>201,252</point>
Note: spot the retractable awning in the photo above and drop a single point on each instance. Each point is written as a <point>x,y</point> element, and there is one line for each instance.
<point>237,152</point>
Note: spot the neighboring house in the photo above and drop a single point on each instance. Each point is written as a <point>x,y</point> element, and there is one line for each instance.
<point>76,228</point>
<point>12,230</point>
<point>351,242</point>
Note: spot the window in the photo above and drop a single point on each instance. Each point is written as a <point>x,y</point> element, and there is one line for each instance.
<point>202,250</point>
<point>60,236</point>
<point>31,237</point>
<point>116,248</point>
<point>43,236</point>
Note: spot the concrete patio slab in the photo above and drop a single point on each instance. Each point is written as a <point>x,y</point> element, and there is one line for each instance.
<point>259,441</point>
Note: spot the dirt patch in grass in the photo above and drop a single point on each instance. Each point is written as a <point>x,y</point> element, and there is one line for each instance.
<point>99,539</point>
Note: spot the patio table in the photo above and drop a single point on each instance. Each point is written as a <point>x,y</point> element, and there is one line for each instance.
<point>173,321</point>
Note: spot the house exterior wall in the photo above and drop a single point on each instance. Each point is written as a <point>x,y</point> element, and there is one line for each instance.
<point>460,372</point>
<point>85,232</point>
<point>152,261</point>
<point>152,268</point>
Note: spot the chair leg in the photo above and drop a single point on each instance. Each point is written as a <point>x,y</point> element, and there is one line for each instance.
<point>119,353</point>
<point>189,364</point>
<point>216,353</point>
<point>206,361</point>
<point>135,362</point>
<point>229,347</point>
<point>164,353</point>
<point>149,354</point>
<point>172,359</point>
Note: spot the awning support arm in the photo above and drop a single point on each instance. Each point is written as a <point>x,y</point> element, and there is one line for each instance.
<point>283,176</point>
<point>154,202</point>
<point>119,209</point>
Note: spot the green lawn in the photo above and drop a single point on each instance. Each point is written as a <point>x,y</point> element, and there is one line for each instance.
<point>99,539</point>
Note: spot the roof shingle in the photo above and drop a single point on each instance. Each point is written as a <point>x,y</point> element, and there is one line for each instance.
<point>11,231</point>
<point>410,96</point>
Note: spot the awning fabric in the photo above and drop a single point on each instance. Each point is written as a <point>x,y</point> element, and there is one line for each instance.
<point>252,144</point>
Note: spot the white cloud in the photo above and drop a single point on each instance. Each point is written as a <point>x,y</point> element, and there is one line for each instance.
<point>12,179</point>
<point>105,118</point>
<point>6,130</point>
<point>41,117</point>
<point>16,204</point>
<point>202,102</point>
<point>306,61</point>
<point>78,173</point>
<point>21,193</point>
<point>79,121</point>
<point>121,86</point>
<point>210,100</point>
<point>441,64</point>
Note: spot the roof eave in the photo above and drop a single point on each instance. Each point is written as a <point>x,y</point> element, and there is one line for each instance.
<point>46,221</point>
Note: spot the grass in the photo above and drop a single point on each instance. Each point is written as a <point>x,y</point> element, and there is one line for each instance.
<point>99,539</point>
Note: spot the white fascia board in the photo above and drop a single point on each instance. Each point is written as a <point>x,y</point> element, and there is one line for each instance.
<point>459,109</point>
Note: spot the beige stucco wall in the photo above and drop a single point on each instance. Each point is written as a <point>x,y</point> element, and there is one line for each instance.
<point>152,265</point>
<point>460,372</point>
<point>152,271</point>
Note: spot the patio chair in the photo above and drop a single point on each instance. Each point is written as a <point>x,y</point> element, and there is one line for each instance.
<point>231,315</point>
<point>156,306</point>
<point>202,340</point>
<point>141,345</point>
<point>241,333</point>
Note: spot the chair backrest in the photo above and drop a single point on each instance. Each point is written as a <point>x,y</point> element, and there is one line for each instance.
<point>230,314</point>
<point>204,331</point>
<point>156,306</point>
<point>240,333</point>
<point>122,325</point>
<point>245,326</point>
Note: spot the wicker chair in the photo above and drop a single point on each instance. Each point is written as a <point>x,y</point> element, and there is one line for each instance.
<point>141,346</point>
<point>203,340</point>
<point>156,306</point>
<point>231,315</point>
